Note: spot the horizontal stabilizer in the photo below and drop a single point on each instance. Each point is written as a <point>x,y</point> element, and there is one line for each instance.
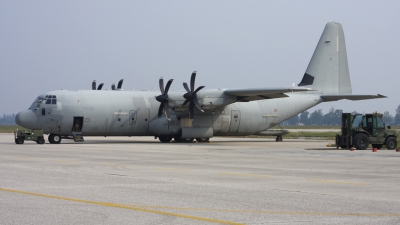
<point>329,98</point>
<point>254,94</point>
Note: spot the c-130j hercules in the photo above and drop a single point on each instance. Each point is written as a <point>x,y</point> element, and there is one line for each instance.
<point>197,113</point>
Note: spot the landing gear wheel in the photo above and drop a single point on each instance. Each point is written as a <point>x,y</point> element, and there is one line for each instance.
<point>40,141</point>
<point>54,138</point>
<point>391,143</point>
<point>165,139</point>
<point>361,141</point>
<point>19,141</point>
<point>278,138</point>
<point>202,139</point>
<point>377,146</point>
<point>183,140</point>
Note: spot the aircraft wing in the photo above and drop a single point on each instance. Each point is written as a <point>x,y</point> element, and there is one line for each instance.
<point>254,94</point>
<point>329,98</point>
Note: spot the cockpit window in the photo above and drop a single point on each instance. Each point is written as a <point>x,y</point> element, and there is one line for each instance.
<point>51,99</point>
<point>48,100</point>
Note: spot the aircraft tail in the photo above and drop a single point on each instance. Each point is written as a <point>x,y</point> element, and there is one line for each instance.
<point>328,70</point>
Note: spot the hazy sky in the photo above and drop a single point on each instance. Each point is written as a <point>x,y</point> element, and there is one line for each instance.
<point>51,45</point>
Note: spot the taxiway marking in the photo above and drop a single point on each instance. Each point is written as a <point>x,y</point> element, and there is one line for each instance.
<point>122,206</point>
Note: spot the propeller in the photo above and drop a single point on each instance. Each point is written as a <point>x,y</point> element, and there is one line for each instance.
<point>100,86</point>
<point>163,98</point>
<point>191,95</point>
<point>120,84</point>
<point>94,85</point>
<point>119,87</point>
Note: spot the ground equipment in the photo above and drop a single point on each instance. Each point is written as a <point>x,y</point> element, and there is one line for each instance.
<point>33,135</point>
<point>360,130</point>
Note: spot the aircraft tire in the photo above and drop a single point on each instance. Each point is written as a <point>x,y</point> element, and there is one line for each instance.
<point>183,140</point>
<point>361,141</point>
<point>202,139</point>
<point>54,139</point>
<point>391,143</point>
<point>165,139</point>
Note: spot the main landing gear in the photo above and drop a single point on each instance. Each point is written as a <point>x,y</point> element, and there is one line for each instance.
<point>54,138</point>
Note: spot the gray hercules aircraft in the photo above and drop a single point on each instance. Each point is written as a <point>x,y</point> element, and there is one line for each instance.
<point>196,112</point>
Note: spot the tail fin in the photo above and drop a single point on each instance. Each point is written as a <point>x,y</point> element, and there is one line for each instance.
<point>328,71</point>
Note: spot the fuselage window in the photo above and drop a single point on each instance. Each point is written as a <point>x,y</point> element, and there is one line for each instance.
<point>54,101</point>
<point>48,101</point>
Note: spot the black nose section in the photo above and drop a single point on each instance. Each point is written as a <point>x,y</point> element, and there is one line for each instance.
<point>26,119</point>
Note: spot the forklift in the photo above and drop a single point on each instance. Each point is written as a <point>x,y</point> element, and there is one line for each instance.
<point>360,130</point>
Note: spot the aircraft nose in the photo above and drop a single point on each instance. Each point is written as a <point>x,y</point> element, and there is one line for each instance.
<point>26,119</point>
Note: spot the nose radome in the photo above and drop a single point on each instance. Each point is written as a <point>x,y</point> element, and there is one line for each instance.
<point>26,119</point>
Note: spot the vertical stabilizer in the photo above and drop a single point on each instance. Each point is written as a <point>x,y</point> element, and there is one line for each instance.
<point>328,71</point>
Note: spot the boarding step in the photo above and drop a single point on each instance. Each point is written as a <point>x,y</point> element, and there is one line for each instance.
<point>77,136</point>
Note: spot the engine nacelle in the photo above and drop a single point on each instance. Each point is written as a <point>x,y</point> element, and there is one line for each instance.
<point>163,127</point>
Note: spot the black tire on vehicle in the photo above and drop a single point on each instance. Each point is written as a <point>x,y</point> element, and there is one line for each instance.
<point>19,141</point>
<point>361,141</point>
<point>378,146</point>
<point>165,139</point>
<point>54,138</point>
<point>391,143</point>
<point>40,141</point>
<point>202,139</point>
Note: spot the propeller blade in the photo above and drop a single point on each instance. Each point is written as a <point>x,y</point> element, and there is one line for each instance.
<point>113,86</point>
<point>197,104</point>
<point>94,85</point>
<point>166,110</point>
<point>192,80</point>
<point>191,110</point>
<point>100,86</point>
<point>198,89</point>
<point>160,110</point>
<point>168,85</point>
<point>186,87</point>
<point>185,102</point>
<point>120,83</point>
<point>161,81</point>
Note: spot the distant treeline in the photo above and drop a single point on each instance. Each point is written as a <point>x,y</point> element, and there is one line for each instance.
<point>333,117</point>
<point>7,119</point>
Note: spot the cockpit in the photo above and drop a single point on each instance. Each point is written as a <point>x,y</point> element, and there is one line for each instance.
<point>47,100</point>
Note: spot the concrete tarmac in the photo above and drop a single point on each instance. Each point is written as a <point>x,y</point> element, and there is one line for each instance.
<point>138,180</point>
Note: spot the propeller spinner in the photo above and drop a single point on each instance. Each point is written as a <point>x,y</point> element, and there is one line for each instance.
<point>191,95</point>
<point>163,98</point>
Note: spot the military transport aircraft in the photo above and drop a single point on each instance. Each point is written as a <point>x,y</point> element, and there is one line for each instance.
<point>195,112</point>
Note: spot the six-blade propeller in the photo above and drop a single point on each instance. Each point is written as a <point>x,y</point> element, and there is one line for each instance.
<point>163,98</point>
<point>191,95</point>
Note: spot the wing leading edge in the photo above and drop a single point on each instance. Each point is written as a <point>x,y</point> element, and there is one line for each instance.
<point>254,94</point>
